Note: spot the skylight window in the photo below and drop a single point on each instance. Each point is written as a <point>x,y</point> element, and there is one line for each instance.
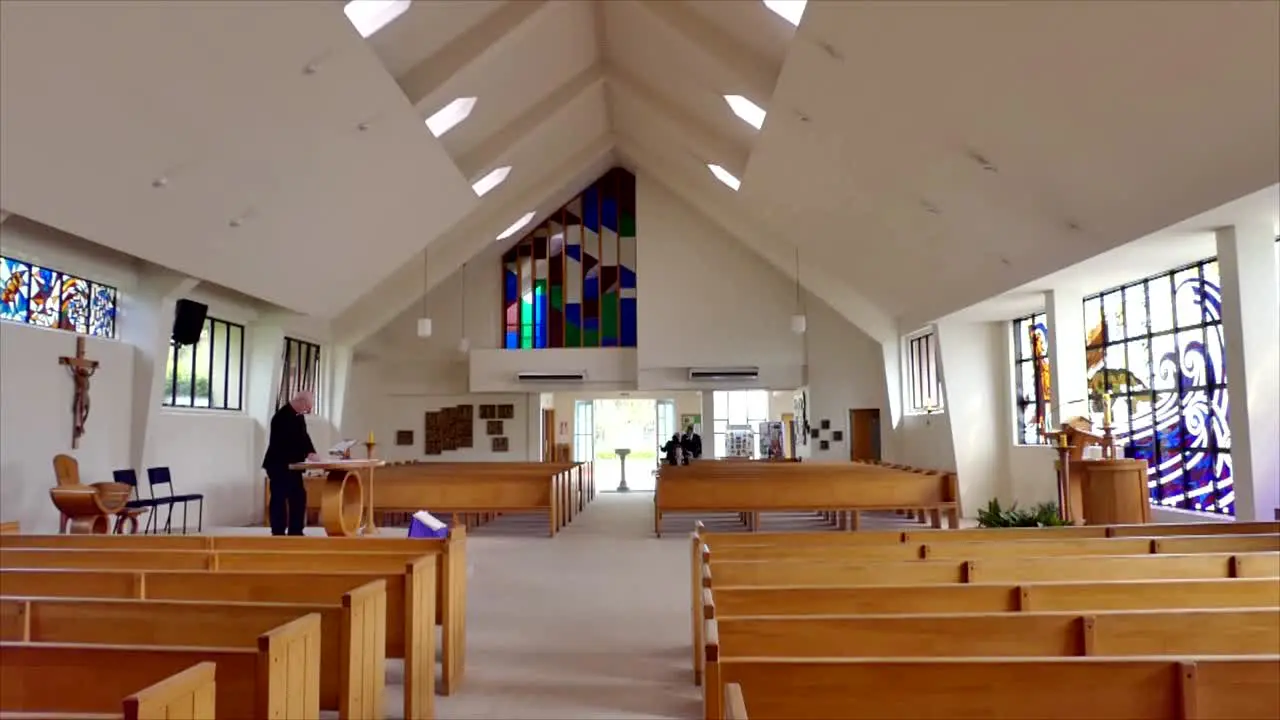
<point>751,113</point>
<point>491,180</point>
<point>448,117</point>
<point>789,10</point>
<point>724,176</point>
<point>517,225</point>
<point>370,16</point>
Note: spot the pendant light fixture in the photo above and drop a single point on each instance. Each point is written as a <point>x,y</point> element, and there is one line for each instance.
<point>799,323</point>
<point>464,344</point>
<point>424,322</point>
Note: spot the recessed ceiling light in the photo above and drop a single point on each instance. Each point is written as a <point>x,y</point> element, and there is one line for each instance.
<point>491,180</point>
<point>515,226</point>
<point>724,176</point>
<point>370,16</point>
<point>789,10</point>
<point>751,113</point>
<point>450,115</point>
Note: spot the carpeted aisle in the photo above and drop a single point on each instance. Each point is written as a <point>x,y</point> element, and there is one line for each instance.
<point>591,624</point>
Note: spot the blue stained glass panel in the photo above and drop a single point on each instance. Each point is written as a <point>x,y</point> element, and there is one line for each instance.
<point>16,279</point>
<point>102,315</point>
<point>46,297</point>
<point>75,305</point>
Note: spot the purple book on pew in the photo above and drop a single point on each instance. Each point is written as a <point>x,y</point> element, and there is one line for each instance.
<point>424,525</point>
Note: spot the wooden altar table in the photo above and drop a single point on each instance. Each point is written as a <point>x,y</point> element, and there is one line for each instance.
<point>347,494</point>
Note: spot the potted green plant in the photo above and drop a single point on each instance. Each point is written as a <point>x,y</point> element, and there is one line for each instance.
<point>1040,515</point>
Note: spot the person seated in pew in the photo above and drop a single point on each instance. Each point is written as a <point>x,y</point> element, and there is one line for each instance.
<point>289,443</point>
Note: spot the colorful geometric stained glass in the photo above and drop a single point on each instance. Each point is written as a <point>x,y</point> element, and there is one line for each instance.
<point>571,281</point>
<point>45,297</point>
<point>1157,347</point>
<point>1031,372</point>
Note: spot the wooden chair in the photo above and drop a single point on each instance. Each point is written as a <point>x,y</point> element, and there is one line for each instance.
<point>84,508</point>
<point>161,476</point>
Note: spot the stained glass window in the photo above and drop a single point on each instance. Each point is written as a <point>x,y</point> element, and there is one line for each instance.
<point>571,281</point>
<point>1031,376</point>
<point>45,297</point>
<point>1156,359</point>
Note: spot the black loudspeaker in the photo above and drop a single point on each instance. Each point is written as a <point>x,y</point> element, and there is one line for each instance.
<point>188,321</point>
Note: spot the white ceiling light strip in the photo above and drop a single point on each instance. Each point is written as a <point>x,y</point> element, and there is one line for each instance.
<point>448,117</point>
<point>516,226</point>
<point>491,180</point>
<point>789,10</point>
<point>750,113</point>
<point>370,16</point>
<point>724,176</point>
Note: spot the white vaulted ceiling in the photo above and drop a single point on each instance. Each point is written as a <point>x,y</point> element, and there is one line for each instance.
<point>922,157</point>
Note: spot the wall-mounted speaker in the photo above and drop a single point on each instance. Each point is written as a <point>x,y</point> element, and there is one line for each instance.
<point>188,321</point>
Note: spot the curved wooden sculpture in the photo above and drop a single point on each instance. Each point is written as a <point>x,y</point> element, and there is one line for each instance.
<point>86,509</point>
<point>342,503</point>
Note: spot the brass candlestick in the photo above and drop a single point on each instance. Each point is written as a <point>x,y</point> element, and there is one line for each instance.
<point>1064,475</point>
<point>368,449</point>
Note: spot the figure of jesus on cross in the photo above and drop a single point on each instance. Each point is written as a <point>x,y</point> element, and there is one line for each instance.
<point>82,369</point>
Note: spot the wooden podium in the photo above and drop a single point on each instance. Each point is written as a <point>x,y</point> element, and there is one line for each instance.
<point>346,498</point>
<point>1107,491</point>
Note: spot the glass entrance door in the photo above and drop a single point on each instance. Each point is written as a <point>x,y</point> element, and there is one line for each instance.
<point>584,431</point>
<point>666,424</point>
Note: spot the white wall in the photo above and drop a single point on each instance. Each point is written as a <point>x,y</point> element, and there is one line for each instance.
<point>973,360</point>
<point>36,395</point>
<point>704,299</point>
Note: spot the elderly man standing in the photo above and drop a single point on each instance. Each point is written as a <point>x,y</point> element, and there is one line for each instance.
<point>289,443</point>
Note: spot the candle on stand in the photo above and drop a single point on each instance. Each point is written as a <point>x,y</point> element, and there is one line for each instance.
<point>370,440</point>
<point>1106,409</point>
<point>1062,439</point>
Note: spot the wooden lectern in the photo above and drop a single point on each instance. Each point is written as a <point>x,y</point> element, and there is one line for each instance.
<point>346,497</point>
<point>1107,491</point>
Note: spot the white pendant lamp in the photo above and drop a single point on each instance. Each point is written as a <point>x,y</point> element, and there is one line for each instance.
<point>799,323</point>
<point>424,322</point>
<point>464,344</point>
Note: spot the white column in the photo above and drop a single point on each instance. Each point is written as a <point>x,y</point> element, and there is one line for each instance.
<point>146,316</point>
<point>1064,312</point>
<point>1251,324</point>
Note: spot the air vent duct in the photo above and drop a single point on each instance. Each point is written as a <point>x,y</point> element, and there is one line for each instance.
<point>577,376</point>
<point>728,373</point>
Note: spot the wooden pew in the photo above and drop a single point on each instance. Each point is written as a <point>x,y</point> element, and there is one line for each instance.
<point>10,527</point>
<point>279,678</point>
<point>991,598</point>
<point>189,694</point>
<point>1237,688</point>
<point>783,487</point>
<point>735,706</point>
<point>475,489</point>
<point>352,637</point>
<point>915,550</point>
<point>409,612</point>
<point>259,554</point>
<point>1191,633</point>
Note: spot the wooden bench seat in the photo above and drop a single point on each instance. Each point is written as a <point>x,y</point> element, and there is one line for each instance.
<point>278,678</point>
<point>1236,688</point>
<point>352,635</point>
<point>784,487</point>
<point>410,605</point>
<point>390,556</point>
<point>1184,633</point>
<point>187,694</point>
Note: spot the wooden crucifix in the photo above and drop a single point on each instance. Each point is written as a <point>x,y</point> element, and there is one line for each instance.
<point>82,369</point>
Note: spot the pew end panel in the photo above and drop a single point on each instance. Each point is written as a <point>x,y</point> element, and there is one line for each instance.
<point>289,670</point>
<point>419,638</point>
<point>189,694</point>
<point>363,652</point>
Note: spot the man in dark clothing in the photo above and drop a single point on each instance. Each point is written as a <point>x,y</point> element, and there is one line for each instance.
<point>289,443</point>
<point>692,443</point>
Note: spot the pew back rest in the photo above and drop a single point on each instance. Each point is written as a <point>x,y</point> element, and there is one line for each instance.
<point>1134,633</point>
<point>1059,689</point>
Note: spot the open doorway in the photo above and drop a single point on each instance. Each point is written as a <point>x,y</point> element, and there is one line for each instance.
<point>634,424</point>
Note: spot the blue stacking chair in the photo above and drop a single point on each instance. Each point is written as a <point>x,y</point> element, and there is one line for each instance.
<point>160,476</point>
<point>130,477</point>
